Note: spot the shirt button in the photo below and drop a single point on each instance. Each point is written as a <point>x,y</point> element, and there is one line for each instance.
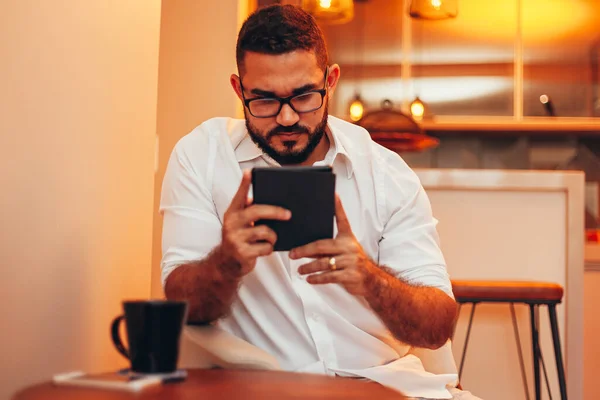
<point>316,317</point>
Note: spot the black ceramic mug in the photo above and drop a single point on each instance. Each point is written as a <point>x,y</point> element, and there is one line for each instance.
<point>153,331</point>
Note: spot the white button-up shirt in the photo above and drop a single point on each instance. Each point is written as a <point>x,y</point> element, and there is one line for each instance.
<point>311,328</point>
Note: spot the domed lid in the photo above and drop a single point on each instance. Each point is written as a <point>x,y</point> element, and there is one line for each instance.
<point>396,130</point>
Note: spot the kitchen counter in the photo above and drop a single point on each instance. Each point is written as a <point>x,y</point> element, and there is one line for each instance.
<point>513,225</point>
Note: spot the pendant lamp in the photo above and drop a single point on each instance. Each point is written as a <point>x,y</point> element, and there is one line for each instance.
<point>357,108</point>
<point>330,11</point>
<point>417,109</point>
<point>433,9</point>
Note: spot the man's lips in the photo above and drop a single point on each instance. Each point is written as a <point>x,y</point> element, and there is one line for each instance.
<point>289,135</point>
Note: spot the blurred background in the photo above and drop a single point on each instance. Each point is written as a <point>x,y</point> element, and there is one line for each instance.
<point>95,94</point>
<point>502,84</point>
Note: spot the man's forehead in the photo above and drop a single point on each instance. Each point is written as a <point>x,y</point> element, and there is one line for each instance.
<point>276,72</point>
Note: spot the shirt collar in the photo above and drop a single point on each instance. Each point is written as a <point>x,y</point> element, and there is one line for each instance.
<point>246,150</point>
<point>337,149</point>
<point>243,146</point>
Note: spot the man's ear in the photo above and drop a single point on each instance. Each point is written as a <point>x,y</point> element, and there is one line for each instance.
<point>332,78</point>
<point>235,84</point>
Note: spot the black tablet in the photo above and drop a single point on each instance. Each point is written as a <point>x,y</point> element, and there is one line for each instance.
<point>308,192</point>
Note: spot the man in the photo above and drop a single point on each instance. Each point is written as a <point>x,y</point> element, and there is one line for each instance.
<point>350,306</point>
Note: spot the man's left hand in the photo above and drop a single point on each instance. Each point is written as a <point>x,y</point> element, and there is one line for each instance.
<point>340,260</point>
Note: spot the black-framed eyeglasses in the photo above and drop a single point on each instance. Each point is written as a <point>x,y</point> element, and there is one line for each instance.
<point>267,107</point>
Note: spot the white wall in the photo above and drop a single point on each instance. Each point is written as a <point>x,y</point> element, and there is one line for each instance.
<point>197,56</point>
<point>77,132</point>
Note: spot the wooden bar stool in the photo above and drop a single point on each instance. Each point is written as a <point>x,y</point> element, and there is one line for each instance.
<point>532,293</point>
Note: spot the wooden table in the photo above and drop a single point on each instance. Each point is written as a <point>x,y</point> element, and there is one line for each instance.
<point>228,384</point>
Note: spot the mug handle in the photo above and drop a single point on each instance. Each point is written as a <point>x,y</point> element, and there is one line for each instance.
<point>116,338</point>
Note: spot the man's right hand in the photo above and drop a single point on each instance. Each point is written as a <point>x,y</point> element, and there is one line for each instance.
<point>242,242</point>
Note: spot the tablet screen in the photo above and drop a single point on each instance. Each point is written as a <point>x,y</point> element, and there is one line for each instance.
<point>308,192</point>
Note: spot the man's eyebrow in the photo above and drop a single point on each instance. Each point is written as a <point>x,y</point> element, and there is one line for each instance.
<point>262,93</point>
<point>296,91</point>
<point>305,88</point>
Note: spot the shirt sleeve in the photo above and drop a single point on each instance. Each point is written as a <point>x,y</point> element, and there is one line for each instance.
<point>410,243</point>
<point>191,226</point>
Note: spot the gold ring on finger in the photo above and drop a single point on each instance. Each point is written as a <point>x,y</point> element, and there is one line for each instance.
<point>332,265</point>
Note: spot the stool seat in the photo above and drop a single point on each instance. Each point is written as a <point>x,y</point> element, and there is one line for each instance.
<point>507,291</point>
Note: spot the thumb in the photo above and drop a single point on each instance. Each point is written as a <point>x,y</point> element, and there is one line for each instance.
<point>241,196</point>
<point>343,225</point>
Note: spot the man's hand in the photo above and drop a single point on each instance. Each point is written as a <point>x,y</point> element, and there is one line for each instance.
<point>341,260</point>
<point>242,242</point>
<point>417,315</point>
<point>210,284</point>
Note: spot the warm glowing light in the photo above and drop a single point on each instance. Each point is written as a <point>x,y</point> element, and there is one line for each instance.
<point>327,11</point>
<point>437,4</point>
<point>417,109</point>
<point>325,3</point>
<point>432,90</point>
<point>493,24</point>
<point>544,99</point>
<point>356,109</point>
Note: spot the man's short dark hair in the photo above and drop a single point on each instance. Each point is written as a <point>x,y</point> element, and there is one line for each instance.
<point>280,29</point>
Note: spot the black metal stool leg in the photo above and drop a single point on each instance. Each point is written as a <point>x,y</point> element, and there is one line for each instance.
<point>544,366</point>
<point>456,321</point>
<point>464,353</point>
<point>535,349</point>
<point>519,349</point>
<point>557,351</point>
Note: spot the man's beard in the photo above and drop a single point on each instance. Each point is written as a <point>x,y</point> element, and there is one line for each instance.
<point>289,156</point>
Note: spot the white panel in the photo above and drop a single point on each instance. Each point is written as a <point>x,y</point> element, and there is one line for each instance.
<point>503,235</point>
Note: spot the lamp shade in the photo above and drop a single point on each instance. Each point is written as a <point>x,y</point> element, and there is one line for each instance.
<point>433,9</point>
<point>330,11</point>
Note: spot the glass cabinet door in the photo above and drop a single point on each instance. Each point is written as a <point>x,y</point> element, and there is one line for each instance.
<point>460,66</point>
<point>496,58</point>
<point>561,53</point>
<point>369,52</point>
<point>465,65</point>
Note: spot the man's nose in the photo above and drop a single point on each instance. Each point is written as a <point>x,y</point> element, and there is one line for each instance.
<point>287,116</point>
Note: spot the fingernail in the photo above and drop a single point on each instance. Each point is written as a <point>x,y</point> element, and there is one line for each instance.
<point>292,254</point>
<point>288,214</point>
